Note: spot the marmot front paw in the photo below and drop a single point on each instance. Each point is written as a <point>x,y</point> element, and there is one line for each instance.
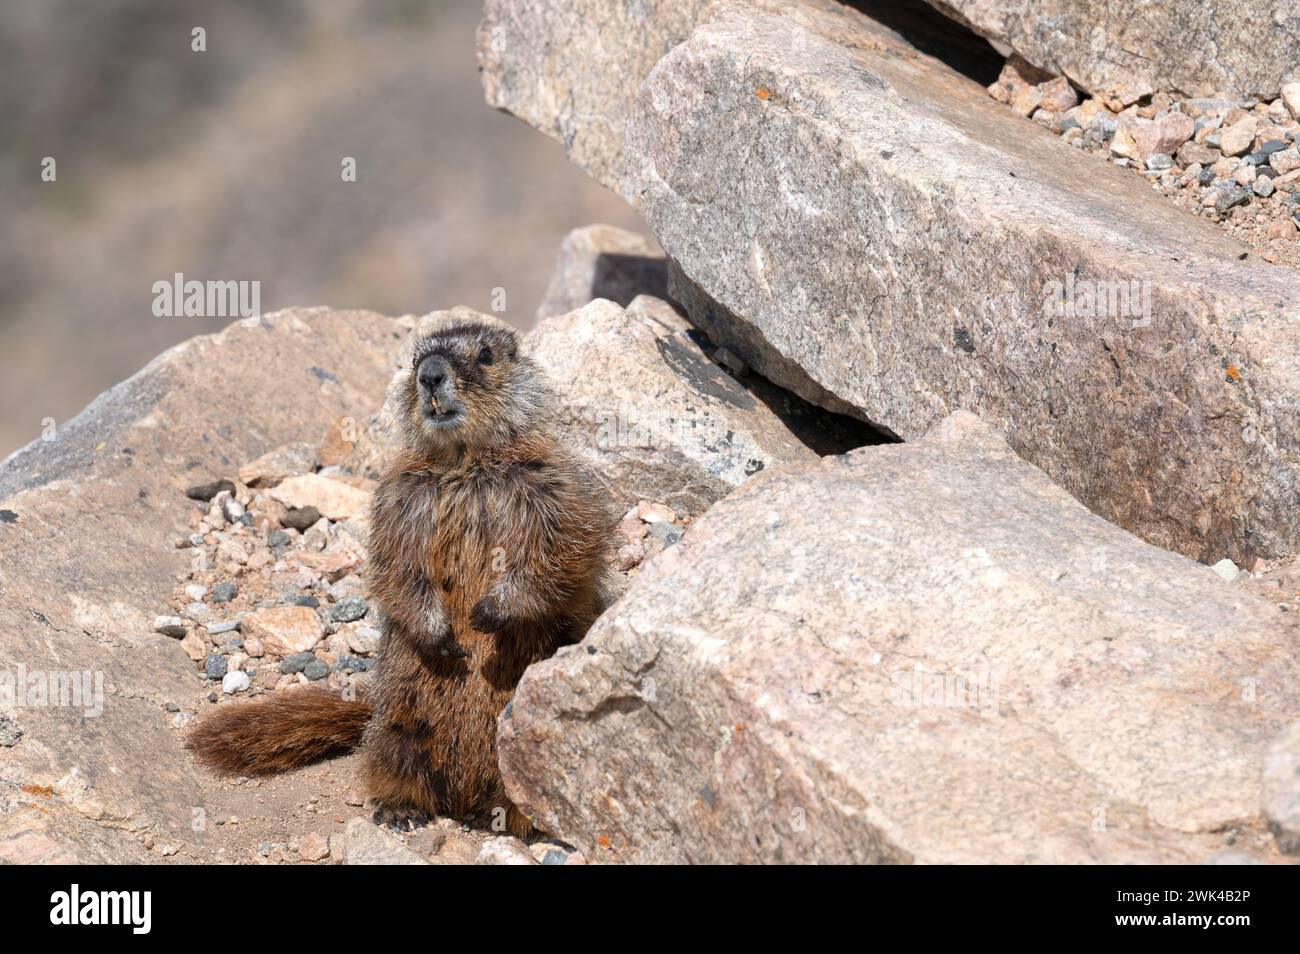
<point>488,615</point>
<point>437,639</point>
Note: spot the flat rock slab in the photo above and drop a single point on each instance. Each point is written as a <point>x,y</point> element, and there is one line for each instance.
<point>924,652</point>
<point>878,234</point>
<point>89,556</point>
<point>1198,47</point>
<point>331,498</point>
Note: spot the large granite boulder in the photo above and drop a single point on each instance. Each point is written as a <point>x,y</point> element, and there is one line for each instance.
<point>924,652</point>
<point>866,227</point>
<point>1197,47</point>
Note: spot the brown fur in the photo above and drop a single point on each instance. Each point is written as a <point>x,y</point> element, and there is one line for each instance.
<point>487,540</point>
<point>280,733</point>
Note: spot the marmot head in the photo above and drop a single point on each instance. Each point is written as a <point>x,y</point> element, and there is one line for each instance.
<point>468,387</point>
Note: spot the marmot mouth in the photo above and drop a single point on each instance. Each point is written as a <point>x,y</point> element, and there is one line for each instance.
<point>446,417</point>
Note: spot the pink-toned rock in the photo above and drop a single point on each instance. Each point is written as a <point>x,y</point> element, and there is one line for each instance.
<point>1027,100</point>
<point>946,660</point>
<point>649,512</point>
<point>1285,161</point>
<point>1089,111</point>
<point>1164,134</point>
<point>331,564</point>
<point>1016,76</point>
<point>1123,144</point>
<point>284,630</point>
<point>1291,99</point>
<point>505,851</point>
<point>1238,138</point>
<point>313,847</point>
<point>288,460</point>
<point>1267,134</point>
<point>1246,47</point>
<point>333,498</point>
<point>1058,95</point>
<point>794,259</point>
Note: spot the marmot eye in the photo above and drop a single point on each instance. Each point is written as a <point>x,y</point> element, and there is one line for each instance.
<point>485,355</point>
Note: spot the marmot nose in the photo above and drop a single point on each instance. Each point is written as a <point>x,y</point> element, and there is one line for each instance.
<point>433,372</point>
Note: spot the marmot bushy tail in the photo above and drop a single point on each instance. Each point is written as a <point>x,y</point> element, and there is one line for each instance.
<point>289,730</point>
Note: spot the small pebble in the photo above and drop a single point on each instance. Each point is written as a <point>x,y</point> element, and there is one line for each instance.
<point>349,610</point>
<point>665,532</point>
<point>364,640</point>
<point>196,611</point>
<point>234,682</point>
<point>1226,569</point>
<point>214,667</point>
<point>224,592</point>
<point>316,669</point>
<point>1231,198</point>
<point>301,519</point>
<point>313,847</point>
<point>206,492</point>
<point>172,626</point>
<point>233,510</point>
<point>296,663</point>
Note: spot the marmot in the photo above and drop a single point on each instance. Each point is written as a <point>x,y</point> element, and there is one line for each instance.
<point>487,543</point>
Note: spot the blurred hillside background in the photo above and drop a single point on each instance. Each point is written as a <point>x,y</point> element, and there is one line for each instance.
<point>225,165</point>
